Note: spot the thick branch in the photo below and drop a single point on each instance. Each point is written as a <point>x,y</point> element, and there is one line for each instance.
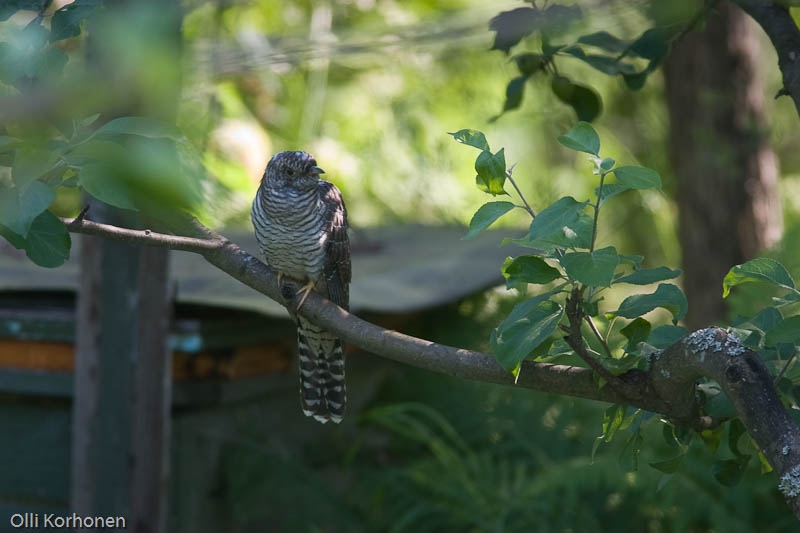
<point>667,388</point>
<point>779,25</point>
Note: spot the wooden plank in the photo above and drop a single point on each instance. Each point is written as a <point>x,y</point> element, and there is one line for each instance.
<point>152,393</point>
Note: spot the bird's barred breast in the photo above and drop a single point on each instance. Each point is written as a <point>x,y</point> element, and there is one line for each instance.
<point>290,234</point>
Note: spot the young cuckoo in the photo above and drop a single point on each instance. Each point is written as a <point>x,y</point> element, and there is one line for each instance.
<point>301,227</point>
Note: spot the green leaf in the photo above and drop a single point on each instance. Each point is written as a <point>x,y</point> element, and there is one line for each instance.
<point>582,138</point>
<point>529,64</point>
<point>788,330</point>
<point>605,64</point>
<point>31,163</point>
<point>66,21</point>
<point>669,466</point>
<point>591,268</point>
<point>651,45</point>
<point>637,331</point>
<point>729,472</point>
<point>666,335</point>
<point>606,164</point>
<point>472,138</point>
<point>615,418</point>
<point>759,269</point>
<point>766,319</point>
<point>638,177</point>
<point>629,456</point>
<point>563,224</point>
<point>18,209</point>
<point>485,216</point>
<point>48,241</point>
<point>491,169</point>
<point>514,92</point>
<point>141,126</point>
<point>512,26</point>
<point>647,276</point>
<point>604,41</point>
<point>668,296</point>
<point>584,100</point>
<point>528,325</point>
<point>528,269</point>
<point>103,183</point>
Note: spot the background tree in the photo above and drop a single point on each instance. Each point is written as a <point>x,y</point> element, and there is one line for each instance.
<point>726,169</point>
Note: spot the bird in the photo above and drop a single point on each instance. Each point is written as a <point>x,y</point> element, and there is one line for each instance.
<point>300,224</point>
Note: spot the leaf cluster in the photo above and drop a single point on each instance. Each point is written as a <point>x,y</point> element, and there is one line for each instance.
<point>562,239</point>
<point>130,162</point>
<point>631,59</point>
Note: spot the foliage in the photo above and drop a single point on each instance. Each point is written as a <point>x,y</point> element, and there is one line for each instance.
<point>130,162</point>
<point>633,60</point>
<point>568,265</point>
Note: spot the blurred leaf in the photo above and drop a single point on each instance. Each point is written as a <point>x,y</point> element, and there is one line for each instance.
<point>637,331</point>
<point>101,181</point>
<point>512,26</point>
<point>591,268</point>
<point>712,438</point>
<point>638,177</point>
<point>31,163</point>
<point>788,330</point>
<point>650,45</point>
<point>729,472</point>
<point>562,224</point>
<point>715,403</point>
<point>528,325</point>
<point>606,164</point>
<point>485,216</point>
<point>669,466</point>
<point>529,64</point>
<point>66,21</point>
<point>604,41</point>
<point>514,92</point>
<point>615,418</point>
<point>16,240</point>
<point>605,64</point>
<point>48,242</point>
<point>584,100</point>
<point>582,138</point>
<point>629,456</point>
<point>491,169</point>
<point>759,269</point>
<point>528,269</point>
<point>635,260</point>
<point>18,209</point>
<point>647,276</point>
<point>668,296</point>
<point>472,138</point>
<point>766,319</point>
<point>142,126</point>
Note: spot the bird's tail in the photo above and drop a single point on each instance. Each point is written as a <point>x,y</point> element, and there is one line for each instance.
<point>322,388</point>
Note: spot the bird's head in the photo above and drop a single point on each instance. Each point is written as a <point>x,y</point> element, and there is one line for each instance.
<point>297,170</point>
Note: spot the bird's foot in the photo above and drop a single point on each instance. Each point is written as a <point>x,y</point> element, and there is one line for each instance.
<point>305,290</point>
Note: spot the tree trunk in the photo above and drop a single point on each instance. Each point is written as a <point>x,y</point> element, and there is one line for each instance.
<point>726,171</point>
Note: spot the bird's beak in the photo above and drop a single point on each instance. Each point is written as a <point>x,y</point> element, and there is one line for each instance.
<point>317,170</point>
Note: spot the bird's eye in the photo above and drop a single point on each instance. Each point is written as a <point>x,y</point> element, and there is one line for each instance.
<point>289,171</point>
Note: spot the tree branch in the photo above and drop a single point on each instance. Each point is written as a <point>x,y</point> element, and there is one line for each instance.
<point>781,29</point>
<point>668,387</point>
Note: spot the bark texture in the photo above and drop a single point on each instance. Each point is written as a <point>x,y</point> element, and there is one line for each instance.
<point>726,171</point>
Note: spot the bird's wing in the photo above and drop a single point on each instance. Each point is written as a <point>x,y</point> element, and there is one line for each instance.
<point>337,269</point>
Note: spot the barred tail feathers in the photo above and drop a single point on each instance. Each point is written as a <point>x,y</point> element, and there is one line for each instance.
<point>322,385</point>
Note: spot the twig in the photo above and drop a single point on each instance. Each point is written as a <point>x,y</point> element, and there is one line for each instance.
<point>145,237</point>
<point>514,183</point>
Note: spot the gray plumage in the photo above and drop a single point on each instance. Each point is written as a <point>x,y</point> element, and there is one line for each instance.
<point>301,227</point>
